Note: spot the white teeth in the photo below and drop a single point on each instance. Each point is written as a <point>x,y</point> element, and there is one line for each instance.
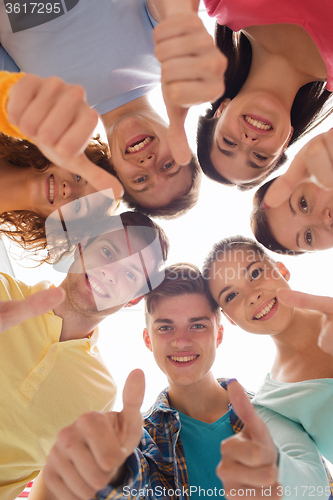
<point>96,287</point>
<point>257,123</point>
<point>265,310</point>
<point>51,189</point>
<point>140,145</point>
<point>184,359</point>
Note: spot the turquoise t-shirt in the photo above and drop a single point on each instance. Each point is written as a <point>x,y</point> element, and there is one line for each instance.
<point>201,442</point>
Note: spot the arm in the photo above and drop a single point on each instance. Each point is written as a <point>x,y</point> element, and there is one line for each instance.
<point>270,454</point>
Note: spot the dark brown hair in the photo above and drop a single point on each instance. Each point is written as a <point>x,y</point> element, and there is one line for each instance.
<point>260,226</point>
<point>27,228</point>
<point>308,109</point>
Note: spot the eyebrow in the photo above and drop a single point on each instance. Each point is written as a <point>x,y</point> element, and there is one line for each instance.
<point>161,320</point>
<point>249,163</point>
<point>245,271</point>
<point>149,186</point>
<point>200,318</point>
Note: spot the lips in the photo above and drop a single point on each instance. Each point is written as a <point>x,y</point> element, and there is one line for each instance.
<point>183,360</point>
<point>266,310</point>
<point>258,124</point>
<point>51,189</point>
<point>96,287</point>
<point>138,144</point>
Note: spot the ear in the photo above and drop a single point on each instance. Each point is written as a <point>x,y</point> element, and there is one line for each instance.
<point>228,318</point>
<point>283,271</point>
<point>221,107</point>
<point>147,340</point>
<point>134,302</point>
<point>219,337</point>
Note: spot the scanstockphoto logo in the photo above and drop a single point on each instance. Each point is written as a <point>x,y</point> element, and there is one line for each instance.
<point>26,14</point>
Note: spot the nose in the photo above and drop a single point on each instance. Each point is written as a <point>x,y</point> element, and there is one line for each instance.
<point>147,160</point>
<point>109,273</point>
<point>254,296</point>
<point>249,137</point>
<point>327,219</point>
<point>69,189</point>
<point>180,340</point>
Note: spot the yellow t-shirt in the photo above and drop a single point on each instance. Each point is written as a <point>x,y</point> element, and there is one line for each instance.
<point>45,385</point>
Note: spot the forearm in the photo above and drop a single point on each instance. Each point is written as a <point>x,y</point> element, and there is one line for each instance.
<point>301,472</point>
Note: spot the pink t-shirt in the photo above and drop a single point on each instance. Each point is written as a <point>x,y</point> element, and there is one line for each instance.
<point>316,17</point>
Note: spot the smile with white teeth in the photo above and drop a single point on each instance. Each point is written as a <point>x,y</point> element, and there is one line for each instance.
<point>96,287</point>
<point>257,123</point>
<point>139,145</point>
<point>51,188</point>
<point>182,359</point>
<point>265,310</point>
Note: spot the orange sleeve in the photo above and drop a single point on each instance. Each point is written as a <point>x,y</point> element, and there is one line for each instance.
<point>6,81</point>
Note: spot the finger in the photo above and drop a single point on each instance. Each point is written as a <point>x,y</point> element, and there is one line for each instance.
<point>306,301</point>
<point>171,29</point>
<point>177,140</point>
<point>133,394</point>
<point>20,95</point>
<point>245,452</point>
<point>246,412</point>
<point>231,472</point>
<point>325,339</point>
<point>13,313</point>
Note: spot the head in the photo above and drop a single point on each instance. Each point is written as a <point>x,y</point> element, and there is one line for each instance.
<point>243,280</point>
<point>154,183</point>
<point>244,135</point>
<point>183,327</point>
<point>117,266</point>
<point>303,223</point>
<point>49,188</point>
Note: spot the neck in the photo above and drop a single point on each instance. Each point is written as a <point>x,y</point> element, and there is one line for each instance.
<point>205,400</point>
<point>273,73</point>
<point>75,325</point>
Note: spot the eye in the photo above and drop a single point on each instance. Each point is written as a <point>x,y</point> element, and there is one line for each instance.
<point>308,237</point>
<point>168,165</point>
<point>230,297</point>
<point>260,157</point>
<point>255,274</point>
<point>198,326</point>
<point>131,276</point>
<point>303,205</point>
<point>107,253</point>
<point>164,328</point>
<point>229,143</point>
<point>77,206</point>
<point>78,178</point>
<point>141,179</point>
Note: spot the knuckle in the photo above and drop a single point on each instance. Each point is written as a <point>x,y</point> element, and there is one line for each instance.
<point>270,475</point>
<point>76,93</point>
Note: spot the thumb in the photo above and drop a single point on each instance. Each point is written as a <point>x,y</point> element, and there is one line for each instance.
<point>243,408</point>
<point>133,394</point>
<point>306,301</point>
<point>177,7</point>
<point>177,140</point>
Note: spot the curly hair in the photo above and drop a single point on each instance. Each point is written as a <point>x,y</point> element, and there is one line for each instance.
<point>27,228</point>
<point>176,208</point>
<point>260,226</point>
<point>309,108</point>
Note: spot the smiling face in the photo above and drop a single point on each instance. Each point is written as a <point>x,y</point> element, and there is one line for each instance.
<point>56,187</point>
<point>108,273</point>
<point>252,132</point>
<point>183,334</point>
<point>245,285</point>
<point>143,162</point>
<point>305,221</point>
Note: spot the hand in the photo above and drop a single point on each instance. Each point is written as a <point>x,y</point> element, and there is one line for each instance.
<point>314,303</point>
<point>314,162</point>
<point>88,454</point>
<point>14,312</point>
<point>192,69</point>
<point>249,459</point>
<point>58,120</point>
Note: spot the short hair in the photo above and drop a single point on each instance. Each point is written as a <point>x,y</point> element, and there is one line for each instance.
<point>260,226</point>
<point>205,135</point>
<point>177,207</point>
<point>180,279</point>
<point>312,103</point>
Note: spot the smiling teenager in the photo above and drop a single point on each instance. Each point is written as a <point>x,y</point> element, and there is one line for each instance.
<point>179,447</point>
<point>253,293</point>
<point>273,95</point>
<point>52,369</point>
